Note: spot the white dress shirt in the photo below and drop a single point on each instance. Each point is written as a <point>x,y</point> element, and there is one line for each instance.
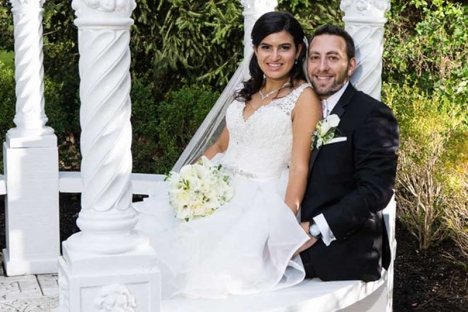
<point>327,106</point>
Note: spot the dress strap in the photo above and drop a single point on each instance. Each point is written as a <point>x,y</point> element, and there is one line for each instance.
<point>288,103</point>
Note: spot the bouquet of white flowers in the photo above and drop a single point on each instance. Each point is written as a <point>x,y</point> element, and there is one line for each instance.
<point>198,190</point>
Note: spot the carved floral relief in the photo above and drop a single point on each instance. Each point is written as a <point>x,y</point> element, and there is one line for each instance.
<point>364,7</point>
<point>19,3</point>
<point>111,5</point>
<point>115,298</point>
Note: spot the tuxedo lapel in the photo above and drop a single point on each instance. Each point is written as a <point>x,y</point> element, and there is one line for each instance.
<point>339,110</point>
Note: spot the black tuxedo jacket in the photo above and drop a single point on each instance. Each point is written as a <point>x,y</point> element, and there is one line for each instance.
<point>350,183</point>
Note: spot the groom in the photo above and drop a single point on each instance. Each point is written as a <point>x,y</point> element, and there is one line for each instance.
<point>351,176</point>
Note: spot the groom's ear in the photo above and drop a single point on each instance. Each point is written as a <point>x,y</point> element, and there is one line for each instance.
<point>351,66</point>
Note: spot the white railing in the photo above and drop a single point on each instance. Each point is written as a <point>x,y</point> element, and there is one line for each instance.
<point>71,182</point>
<point>108,258</point>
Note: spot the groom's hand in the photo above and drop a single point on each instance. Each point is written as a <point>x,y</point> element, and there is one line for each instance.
<point>305,226</point>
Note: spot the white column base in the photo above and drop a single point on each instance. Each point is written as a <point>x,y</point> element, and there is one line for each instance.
<point>32,208</point>
<point>17,267</point>
<point>125,282</point>
<point>16,138</point>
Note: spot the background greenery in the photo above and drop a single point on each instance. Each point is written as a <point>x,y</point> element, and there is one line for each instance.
<point>184,52</point>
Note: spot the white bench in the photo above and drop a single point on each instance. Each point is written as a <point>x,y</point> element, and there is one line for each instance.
<point>312,295</point>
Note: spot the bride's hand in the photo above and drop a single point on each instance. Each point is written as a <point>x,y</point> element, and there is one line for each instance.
<point>312,240</point>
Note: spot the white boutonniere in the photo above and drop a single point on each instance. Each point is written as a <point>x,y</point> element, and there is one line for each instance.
<point>325,131</point>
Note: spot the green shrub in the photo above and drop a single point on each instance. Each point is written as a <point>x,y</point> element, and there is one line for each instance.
<point>7,102</point>
<point>63,116</point>
<point>432,158</point>
<point>144,123</point>
<point>179,117</point>
<point>428,45</point>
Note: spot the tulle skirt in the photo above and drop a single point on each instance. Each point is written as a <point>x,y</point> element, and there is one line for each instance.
<point>247,246</point>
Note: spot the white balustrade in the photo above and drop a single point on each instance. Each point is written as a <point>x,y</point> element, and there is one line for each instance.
<point>31,157</point>
<point>365,20</point>
<point>108,260</point>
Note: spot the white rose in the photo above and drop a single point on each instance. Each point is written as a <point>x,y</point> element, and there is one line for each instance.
<point>198,209</point>
<point>333,120</point>
<point>183,198</point>
<point>194,183</point>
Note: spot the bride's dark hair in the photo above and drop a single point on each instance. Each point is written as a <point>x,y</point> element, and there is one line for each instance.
<point>270,23</point>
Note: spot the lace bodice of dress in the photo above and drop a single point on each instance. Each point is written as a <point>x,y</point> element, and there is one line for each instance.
<point>260,147</point>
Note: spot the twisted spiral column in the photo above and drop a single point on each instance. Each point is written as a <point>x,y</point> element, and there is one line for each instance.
<point>30,118</point>
<point>365,20</point>
<point>107,218</point>
<point>253,9</point>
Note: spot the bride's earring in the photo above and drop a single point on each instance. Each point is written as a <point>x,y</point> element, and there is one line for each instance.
<point>295,62</point>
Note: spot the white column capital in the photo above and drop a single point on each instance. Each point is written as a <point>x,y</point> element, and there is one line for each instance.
<point>101,12</point>
<point>256,6</point>
<point>27,4</point>
<point>365,11</point>
<point>365,20</point>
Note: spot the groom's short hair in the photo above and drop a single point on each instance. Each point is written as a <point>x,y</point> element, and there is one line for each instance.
<point>329,29</point>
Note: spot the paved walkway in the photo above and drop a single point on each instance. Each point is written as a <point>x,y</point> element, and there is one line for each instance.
<point>28,293</point>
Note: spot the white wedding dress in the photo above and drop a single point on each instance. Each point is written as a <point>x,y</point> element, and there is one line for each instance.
<point>247,245</point>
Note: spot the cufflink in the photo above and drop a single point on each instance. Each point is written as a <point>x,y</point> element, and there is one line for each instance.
<point>314,230</point>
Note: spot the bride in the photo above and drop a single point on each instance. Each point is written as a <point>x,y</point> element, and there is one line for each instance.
<point>250,244</point>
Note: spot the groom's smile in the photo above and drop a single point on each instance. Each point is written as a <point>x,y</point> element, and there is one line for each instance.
<point>328,66</point>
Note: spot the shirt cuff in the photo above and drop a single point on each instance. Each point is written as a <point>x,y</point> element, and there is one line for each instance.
<point>327,234</point>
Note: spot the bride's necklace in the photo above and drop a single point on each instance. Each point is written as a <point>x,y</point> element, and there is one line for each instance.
<point>272,92</point>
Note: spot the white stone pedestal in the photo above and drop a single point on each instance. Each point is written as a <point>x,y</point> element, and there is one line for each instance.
<point>127,282</point>
<point>31,205</point>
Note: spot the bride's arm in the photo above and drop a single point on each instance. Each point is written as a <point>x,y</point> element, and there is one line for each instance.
<point>307,112</point>
<point>220,146</point>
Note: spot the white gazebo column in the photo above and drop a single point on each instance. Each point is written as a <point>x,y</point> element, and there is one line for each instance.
<point>253,9</point>
<point>30,157</point>
<point>365,20</point>
<point>108,266</point>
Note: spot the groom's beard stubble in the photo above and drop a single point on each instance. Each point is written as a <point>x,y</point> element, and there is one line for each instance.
<point>324,92</point>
